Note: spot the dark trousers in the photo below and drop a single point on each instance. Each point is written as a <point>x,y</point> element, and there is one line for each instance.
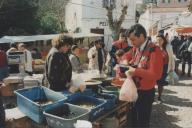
<point>141,111</point>
<point>188,60</point>
<point>2,114</point>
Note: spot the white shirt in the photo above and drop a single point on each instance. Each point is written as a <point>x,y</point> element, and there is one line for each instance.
<point>28,60</point>
<point>143,45</point>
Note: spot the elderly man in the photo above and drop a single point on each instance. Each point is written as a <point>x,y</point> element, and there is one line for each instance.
<point>145,66</point>
<point>28,58</point>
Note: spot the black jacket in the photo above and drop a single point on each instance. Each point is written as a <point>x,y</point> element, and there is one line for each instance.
<point>58,70</point>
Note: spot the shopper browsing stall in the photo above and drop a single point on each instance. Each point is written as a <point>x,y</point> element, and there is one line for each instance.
<point>58,66</point>
<point>146,65</point>
<point>168,63</point>
<point>28,58</point>
<point>75,61</point>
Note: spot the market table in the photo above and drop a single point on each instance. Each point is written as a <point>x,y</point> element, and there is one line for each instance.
<point>19,120</point>
<point>120,113</point>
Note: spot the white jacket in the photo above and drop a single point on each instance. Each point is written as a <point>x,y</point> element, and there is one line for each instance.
<point>28,60</point>
<point>190,47</point>
<point>171,63</point>
<point>93,61</point>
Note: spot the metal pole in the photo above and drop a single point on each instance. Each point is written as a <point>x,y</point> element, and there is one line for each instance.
<point>151,18</point>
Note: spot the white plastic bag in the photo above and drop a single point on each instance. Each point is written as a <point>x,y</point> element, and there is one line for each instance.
<point>128,91</point>
<point>77,80</point>
<point>77,83</point>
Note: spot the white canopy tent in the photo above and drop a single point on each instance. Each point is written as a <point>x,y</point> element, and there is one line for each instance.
<point>12,39</point>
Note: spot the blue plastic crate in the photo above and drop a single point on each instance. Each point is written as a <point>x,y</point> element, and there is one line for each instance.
<point>96,111</point>
<point>26,101</point>
<point>64,115</point>
<point>111,100</point>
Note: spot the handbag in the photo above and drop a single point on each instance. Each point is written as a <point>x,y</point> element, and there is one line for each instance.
<point>172,78</point>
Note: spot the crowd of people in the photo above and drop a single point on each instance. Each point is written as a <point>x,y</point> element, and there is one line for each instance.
<point>149,64</point>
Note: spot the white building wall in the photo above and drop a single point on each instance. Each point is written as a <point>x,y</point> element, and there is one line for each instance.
<point>162,19</point>
<point>73,15</point>
<point>91,14</point>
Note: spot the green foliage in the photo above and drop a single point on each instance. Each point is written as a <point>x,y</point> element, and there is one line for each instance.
<point>28,17</point>
<point>49,23</point>
<point>18,17</point>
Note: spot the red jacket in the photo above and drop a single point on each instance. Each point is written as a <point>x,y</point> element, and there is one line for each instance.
<point>120,44</point>
<point>150,67</point>
<point>3,59</point>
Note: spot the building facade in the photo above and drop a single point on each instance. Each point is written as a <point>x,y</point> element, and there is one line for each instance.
<point>90,16</point>
<point>163,14</point>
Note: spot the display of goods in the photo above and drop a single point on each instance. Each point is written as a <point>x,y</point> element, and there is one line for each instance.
<point>65,115</point>
<point>85,104</point>
<point>92,82</point>
<point>117,81</point>
<point>13,79</point>
<point>38,62</point>
<point>43,101</point>
<point>111,90</point>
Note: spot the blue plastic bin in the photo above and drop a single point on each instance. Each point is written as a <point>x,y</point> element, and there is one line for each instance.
<point>26,101</point>
<point>96,110</point>
<point>65,115</point>
<point>111,100</point>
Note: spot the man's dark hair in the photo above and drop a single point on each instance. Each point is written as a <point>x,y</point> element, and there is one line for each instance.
<point>164,41</point>
<point>13,45</point>
<point>137,29</point>
<point>62,40</point>
<point>122,34</point>
<point>98,42</point>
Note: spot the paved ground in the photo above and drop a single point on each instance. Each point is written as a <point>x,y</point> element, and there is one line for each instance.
<point>176,109</point>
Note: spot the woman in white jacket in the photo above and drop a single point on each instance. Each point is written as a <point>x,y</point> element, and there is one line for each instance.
<point>94,56</point>
<point>171,56</point>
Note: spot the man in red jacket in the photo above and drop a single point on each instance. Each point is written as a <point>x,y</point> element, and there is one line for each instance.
<point>146,66</point>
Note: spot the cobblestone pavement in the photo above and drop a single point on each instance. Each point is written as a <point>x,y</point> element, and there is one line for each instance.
<point>176,109</point>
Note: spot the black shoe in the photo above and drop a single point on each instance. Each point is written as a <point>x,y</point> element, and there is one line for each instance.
<point>159,100</point>
<point>189,75</point>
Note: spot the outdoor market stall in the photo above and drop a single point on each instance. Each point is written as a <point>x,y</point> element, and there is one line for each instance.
<point>33,102</point>
<point>104,104</point>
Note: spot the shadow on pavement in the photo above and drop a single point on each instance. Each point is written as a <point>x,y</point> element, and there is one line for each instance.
<point>181,78</point>
<point>159,118</point>
<point>182,84</point>
<point>174,100</point>
<point>167,91</point>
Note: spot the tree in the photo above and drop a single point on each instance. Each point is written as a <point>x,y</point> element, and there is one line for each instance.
<point>55,7</point>
<point>49,23</point>
<point>115,25</point>
<point>18,15</point>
